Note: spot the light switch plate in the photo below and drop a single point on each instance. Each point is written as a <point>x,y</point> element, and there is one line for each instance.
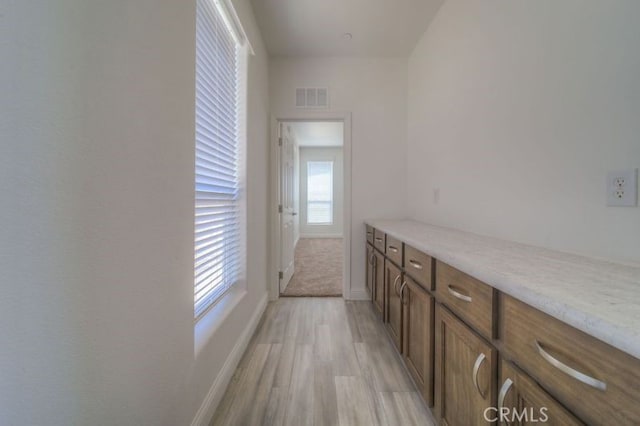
<point>622,188</point>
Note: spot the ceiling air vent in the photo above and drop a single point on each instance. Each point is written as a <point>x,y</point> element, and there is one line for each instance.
<point>312,97</point>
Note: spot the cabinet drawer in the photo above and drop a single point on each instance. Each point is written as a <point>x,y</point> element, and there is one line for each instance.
<point>419,266</point>
<point>598,383</point>
<point>378,240</point>
<point>394,250</point>
<point>470,299</point>
<point>370,234</point>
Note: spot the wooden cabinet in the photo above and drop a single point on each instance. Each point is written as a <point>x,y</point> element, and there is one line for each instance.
<point>393,280</point>
<point>465,373</point>
<point>369,269</point>
<point>446,325</point>
<point>378,283</point>
<point>597,382</point>
<point>417,332</point>
<point>521,401</point>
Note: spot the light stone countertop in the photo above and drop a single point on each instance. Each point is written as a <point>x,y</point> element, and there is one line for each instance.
<point>598,297</point>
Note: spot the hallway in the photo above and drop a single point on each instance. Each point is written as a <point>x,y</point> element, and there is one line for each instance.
<point>322,361</point>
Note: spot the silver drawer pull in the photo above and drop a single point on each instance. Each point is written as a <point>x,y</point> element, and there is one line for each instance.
<point>395,285</point>
<point>415,264</point>
<point>404,284</point>
<point>458,295</point>
<point>503,393</point>
<point>369,233</point>
<point>378,239</point>
<point>393,249</point>
<point>587,380</point>
<point>476,369</point>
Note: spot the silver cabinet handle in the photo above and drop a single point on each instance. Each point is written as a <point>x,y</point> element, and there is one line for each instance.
<point>395,282</point>
<point>393,249</point>
<point>415,264</point>
<point>369,233</point>
<point>379,239</point>
<point>503,393</point>
<point>587,380</point>
<point>476,368</point>
<point>404,284</point>
<point>458,295</point>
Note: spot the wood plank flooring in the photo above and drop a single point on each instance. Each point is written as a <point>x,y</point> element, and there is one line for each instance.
<point>321,361</point>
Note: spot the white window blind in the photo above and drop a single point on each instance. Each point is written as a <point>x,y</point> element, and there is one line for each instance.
<point>217,210</point>
<point>320,192</point>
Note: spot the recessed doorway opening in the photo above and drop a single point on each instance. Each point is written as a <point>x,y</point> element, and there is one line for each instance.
<point>311,210</point>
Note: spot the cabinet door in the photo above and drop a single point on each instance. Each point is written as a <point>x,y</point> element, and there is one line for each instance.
<point>370,259</point>
<point>393,278</point>
<point>378,282</point>
<point>465,373</point>
<point>521,401</point>
<point>417,329</point>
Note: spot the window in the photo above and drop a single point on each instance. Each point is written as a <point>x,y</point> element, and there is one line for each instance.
<point>219,221</point>
<point>319,192</point>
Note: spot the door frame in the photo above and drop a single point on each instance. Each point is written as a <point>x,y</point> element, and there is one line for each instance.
<point>273,281</point>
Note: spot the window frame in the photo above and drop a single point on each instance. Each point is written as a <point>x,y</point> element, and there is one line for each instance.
<point>227,14</point>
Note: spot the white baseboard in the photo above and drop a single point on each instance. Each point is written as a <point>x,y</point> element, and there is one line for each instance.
<point>359,294</point>
<point>216,392</point>
<point>321,236</point>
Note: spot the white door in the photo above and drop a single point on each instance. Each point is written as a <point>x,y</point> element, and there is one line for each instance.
<point>287,215</point>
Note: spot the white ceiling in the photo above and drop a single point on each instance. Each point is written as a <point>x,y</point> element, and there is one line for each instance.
<point>315,27</point>
<point>318,133</point>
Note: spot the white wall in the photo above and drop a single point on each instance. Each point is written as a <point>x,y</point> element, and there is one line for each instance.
<point>335,229</point>
<point>517,110</point>
<point>374,90</point>
<point>96,247</point>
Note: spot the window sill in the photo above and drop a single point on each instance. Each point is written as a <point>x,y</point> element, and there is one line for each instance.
<point>207,325</point>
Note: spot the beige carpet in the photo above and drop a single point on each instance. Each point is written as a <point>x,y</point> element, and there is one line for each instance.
<point>318,268</point>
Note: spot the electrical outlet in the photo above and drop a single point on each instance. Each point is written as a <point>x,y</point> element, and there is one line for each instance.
<point>622,188</point>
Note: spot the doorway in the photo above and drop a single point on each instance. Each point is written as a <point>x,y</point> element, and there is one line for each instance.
<point>312,224</point>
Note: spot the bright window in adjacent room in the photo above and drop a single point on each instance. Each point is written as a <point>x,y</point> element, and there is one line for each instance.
<point>219,138</point>
<point>320,192</point>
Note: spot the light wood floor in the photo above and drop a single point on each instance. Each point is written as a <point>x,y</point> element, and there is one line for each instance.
<point>321,361</point>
